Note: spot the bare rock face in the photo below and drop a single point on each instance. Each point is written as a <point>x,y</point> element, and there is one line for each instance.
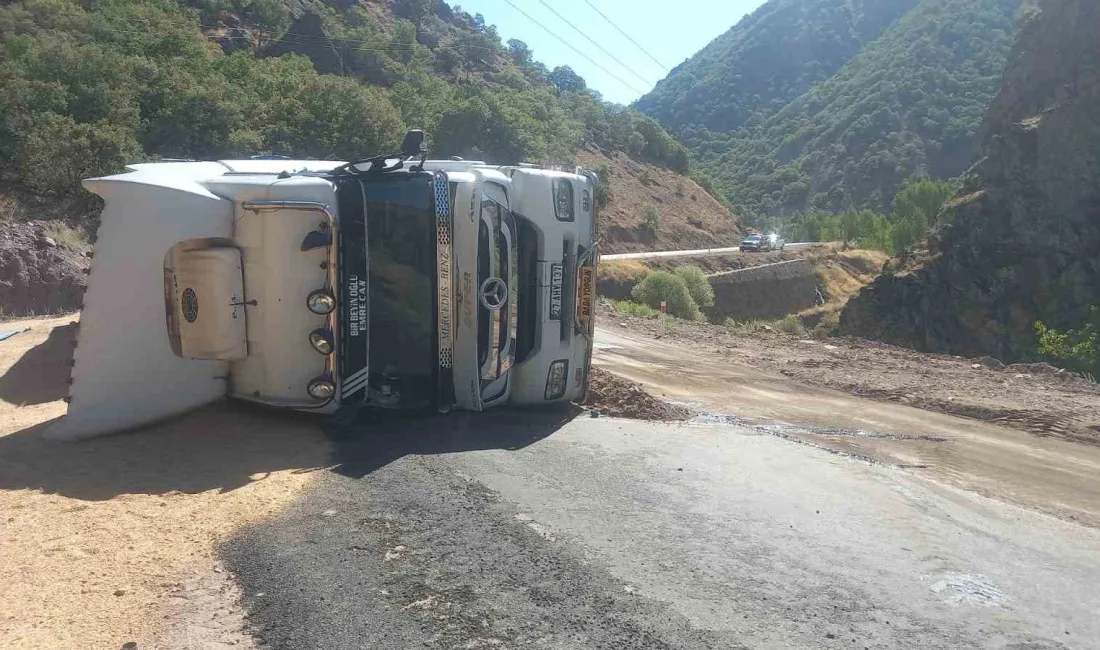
<point>37,275</point>
<point>1024,243</point>
<point>307,36</point>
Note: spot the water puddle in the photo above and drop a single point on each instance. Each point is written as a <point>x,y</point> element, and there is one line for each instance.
<point>805,434</point>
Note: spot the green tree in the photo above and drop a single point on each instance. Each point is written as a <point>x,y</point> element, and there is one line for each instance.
<point>922,198</point>
<point>1075,349</point>
<point>520,53</point>
<point>567,81</point>
<point>651,220</point>
<point>698,285</point>
<point>662,286</point>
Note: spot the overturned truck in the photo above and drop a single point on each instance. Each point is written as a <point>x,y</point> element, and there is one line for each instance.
<point>392,282</point>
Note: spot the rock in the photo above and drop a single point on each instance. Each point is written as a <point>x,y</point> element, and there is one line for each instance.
<point>990,362</point>
<point>120,592</point>
<point>46,242</point>
<point>37,278</point>
<point>1023,233</point>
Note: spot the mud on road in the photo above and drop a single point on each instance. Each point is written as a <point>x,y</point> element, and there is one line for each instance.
<point>1052,474</point>
<point>1036,398</point>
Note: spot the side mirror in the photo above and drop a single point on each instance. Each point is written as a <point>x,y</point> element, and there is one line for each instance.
<point>413,143</point>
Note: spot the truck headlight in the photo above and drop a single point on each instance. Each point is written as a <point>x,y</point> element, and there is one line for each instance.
<point>563,199</point>
<point>556,379</point>
<point>321,388</point>
<point>321,340</point>
<point>321,302</point>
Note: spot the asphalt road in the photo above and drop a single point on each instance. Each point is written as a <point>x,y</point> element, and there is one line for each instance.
<point>519,530</point>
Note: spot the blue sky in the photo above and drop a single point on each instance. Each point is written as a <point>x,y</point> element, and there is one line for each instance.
<point>669,30</point>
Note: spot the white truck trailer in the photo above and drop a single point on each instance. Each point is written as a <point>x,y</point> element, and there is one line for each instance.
<point>391,282</point>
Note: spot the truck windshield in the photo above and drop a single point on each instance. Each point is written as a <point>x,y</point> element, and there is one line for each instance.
<point>401,249</point>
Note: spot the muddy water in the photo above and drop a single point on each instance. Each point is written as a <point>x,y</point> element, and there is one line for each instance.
<point>1053,476</point>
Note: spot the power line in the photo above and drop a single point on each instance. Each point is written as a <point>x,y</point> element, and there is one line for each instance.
<point>579,53</point>
<point>617,28</point>
<point>598,46</point>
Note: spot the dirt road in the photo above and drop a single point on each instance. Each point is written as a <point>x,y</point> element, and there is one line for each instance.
<point>112,540</point>
<point>1046,474</point>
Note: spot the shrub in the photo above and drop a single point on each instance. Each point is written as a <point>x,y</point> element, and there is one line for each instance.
<point>627,271</point>
<point>603,189</point>
<point>646,178</point>
<point>698,286</point>
<point>790,324</point>
<point>634,308</point>
<point>1077,350</point>
<point>743,328</point>
<point>57,152</point>
<point>664,286</point>
<point>67,236</point>
<point>651,220</point>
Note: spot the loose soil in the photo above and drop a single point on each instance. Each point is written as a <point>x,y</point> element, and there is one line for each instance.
<point>111,540</point>
<point>689,216</point>
<point>613,395</point>
<point>38,273</point>
<point>1003,460</point>
<point>1036,398</point>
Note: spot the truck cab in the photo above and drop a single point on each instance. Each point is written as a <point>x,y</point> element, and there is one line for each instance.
<point>324,285</point>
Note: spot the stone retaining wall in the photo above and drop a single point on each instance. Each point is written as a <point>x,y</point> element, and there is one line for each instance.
<point>763,292</point>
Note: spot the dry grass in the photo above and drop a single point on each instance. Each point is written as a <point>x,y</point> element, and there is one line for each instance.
<point>684,223</point>
<point>9,208</point>
<point>626,271</point>
<point>841,276</point>
<point>67,236</point>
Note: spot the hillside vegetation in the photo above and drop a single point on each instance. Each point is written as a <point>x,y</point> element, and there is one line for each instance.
<point>90,86</point>
<point>830,105</point>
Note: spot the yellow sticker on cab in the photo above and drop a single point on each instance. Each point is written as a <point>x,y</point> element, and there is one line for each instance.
<point>587,292</point>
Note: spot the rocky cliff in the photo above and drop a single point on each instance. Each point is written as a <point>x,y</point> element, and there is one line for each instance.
<point>1024,239</point>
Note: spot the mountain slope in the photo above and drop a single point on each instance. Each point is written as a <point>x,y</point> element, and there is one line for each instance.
<point>767,60</point>
<point>90,87</point>
<point>687,216</point>
<point>908,103</point>
<point>1022,240</point>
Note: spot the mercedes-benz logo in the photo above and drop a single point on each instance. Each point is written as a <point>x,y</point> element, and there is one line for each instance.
<point>190,305</point>
<point>494,293</point>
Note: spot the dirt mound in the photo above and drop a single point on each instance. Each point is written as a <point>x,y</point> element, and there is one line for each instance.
<point>38,274</point>
<point>612,395</point>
